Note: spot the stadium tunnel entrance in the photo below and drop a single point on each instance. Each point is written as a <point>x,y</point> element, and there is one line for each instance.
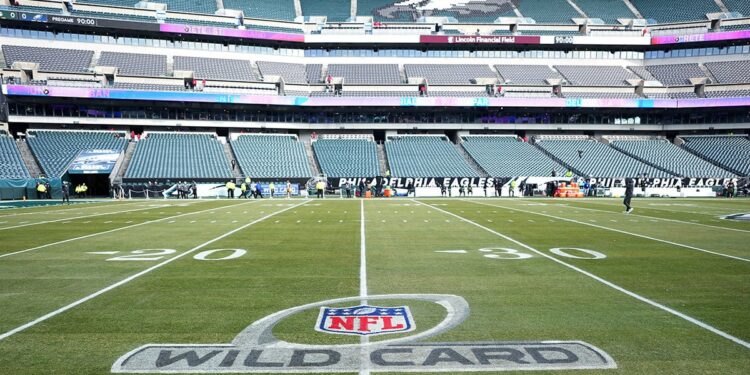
<point>98,184</point>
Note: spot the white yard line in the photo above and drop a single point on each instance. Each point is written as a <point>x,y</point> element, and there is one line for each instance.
<point>364,363</point>
<point>135,276</point>
<point>618,231</point>
<point>605,282</point>
<point>714,211</point>
<point>109,231</point>
<point>75,218</point>
<point>75,207</point>
<point>664,219</point>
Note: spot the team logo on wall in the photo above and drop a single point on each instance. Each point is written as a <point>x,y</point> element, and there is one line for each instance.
<point>365,320</point>
<point>257,350</point>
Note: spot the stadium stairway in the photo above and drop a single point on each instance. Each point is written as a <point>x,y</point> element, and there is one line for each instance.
<point>236,171</point>
<point>556,159</point>
<point>382,158</point>
<point>643,160</point>
<point>311,159</point>
<point>129,149</point>
<point>633,9</point>
<point>28,158</point>
<point>681,142</point>
<point>708,73</point>
<point>473,163</point>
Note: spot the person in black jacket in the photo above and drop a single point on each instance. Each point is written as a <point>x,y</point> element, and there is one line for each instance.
<point>629,186</point>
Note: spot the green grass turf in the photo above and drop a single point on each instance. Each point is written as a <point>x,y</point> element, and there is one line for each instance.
<point>311,253</point>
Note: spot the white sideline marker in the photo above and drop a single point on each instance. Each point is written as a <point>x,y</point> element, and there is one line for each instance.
<point>451,251</point>
<point>135,276</point>
<point>105,232</point>
<point>620,231</point>
<point>607,283</point>
<point>102,252</point>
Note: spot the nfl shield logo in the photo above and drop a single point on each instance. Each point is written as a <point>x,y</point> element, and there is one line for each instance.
<point>365,320</point>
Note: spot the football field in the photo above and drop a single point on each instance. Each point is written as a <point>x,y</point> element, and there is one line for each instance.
<point>365,286</point>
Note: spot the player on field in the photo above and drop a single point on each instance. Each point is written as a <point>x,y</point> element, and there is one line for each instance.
<point>629,186</point>
<point>66,192</point>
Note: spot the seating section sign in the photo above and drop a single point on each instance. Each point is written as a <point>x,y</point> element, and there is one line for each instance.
<point>94,162</point>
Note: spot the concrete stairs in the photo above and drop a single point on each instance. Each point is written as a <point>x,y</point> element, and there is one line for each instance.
<point>555,158</point>
<point>382,159</point>
<point>29,159</point>
<point>236,171</point>
<point>129,150</point>
<point>311,159</point>
<point>473,163</point>
<point>643,161</point>
<point>633,8</point>
<point>714,162</point>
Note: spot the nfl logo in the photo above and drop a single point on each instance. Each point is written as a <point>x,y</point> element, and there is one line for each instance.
<point>365,320</point>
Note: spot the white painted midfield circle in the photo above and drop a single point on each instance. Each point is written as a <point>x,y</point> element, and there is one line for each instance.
<point>563,251</point>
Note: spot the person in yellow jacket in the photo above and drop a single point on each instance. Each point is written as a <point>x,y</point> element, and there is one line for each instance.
<point>320,187</point>
<point>84,189</point>
<point>41,190</point>
<point>230,189</point>
<point>513,185</point>
<point>272,189</point>
<point>243,190</point>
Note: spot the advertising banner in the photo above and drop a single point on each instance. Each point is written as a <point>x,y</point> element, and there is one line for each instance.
<point>480,39</point>
<point>94,162</point>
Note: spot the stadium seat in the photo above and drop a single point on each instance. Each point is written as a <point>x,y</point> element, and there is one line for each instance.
<point>666,155</point>
<point>642,72</point>
<point>119,3</point>
<point>584,75</point>
<point>292,73</point>
<point>335,10</point>
<point>676,11</point>
<point>366,74</point>
<point>608,10</point>
<point>476,11</point>
<point>502,156</point>
<point>313,72</point>
<point>597,159</point>
<point>271,10</point>
<point>732,152</point>
<point>347,157</point>
<point>426,156</point>
<point>220,69</point>
<point>135,64</point>
<point>271,156</point>
<point>50,59</point>
<point>601,95</point>
<point>730,71</point>
<point>448,74</point>
<point>11,163</point>
<point>55,150</point>
<point>676,74</point>
<point>741,6</point>
<point>191,6</point>
<point>527,74</point>
<point>30,9</point>
<point>548,11</point>
<point>117,16</point>
<point>179,156</point>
